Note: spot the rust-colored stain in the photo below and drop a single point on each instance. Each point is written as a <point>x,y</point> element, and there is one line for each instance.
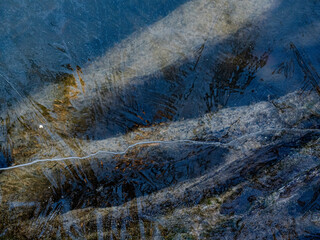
<point>62,107</point>
<point>161,114</point>
<point>80,79</point>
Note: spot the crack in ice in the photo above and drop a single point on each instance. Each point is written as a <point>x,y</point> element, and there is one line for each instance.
<point>159,141</point>
<point>107,152</point>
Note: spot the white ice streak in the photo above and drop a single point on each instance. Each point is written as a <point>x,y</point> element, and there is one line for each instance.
<point>186,141</point>
<point>105,152</point>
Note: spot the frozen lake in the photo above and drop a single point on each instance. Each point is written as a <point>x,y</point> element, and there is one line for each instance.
<point>160,119</point>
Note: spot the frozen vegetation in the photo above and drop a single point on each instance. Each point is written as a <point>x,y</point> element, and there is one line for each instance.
<point>160,119</point>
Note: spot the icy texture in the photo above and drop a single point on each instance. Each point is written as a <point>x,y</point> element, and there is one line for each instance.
<point>160,119</point>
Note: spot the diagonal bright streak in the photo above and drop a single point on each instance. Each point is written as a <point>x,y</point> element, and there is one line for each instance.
<point>173,39</point>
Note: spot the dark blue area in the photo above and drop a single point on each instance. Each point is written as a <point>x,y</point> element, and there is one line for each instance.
<point>3,161</point>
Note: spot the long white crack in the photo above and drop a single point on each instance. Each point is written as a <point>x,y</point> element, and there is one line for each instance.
<point>161,142</point>
<point>106,152</point>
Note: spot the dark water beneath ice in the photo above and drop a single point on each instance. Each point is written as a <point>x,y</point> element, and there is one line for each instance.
<point>159,119</point>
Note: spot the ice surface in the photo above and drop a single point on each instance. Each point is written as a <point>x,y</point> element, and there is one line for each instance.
<point>159,119</point>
